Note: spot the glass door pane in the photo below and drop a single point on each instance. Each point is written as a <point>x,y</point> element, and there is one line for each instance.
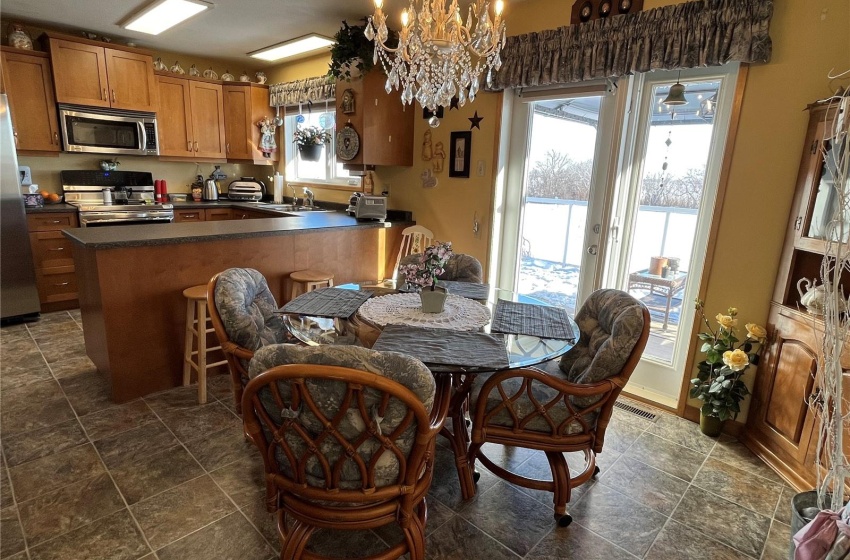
<point>670,206</point>
<point>559,166</point>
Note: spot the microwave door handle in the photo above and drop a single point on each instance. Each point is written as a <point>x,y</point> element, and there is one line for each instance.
<point>143,135</point>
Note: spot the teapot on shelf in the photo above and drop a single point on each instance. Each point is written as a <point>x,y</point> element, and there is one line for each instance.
<point>814,298</point>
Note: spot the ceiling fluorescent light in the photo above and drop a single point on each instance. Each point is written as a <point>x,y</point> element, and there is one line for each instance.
<point>164,14</point>
<point>295,47</point>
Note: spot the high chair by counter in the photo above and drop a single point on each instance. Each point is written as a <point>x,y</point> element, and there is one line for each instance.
<point>195,354</point>
<point>304,281</point>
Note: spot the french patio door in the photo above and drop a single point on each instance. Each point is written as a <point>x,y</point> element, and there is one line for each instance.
<point>601,187</point>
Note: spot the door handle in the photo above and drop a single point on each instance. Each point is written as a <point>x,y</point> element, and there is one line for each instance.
<point>592,250</point>
<point>113,96</point>
<point>56,249</point>
<point>188,145</point>
<point>62,284</point>
<point>103,95</point>
<point>196,145</point>
<point>56,138</point>
<point>15,134</point>
<point>227,147</point>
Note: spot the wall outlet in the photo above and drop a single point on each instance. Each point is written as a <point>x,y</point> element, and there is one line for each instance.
<point>25,174</point>
<point>481,168</point>
<point>385,189</point>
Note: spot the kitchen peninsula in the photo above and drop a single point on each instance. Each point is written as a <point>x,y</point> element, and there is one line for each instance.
<point>131,280</point>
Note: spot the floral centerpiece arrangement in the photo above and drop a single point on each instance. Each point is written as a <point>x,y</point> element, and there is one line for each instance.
<point>718,383</point>
<point>432,264</point>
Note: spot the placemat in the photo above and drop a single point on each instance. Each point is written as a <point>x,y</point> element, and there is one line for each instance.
<point>327,302</point>
<point>444,346</point>
<point>470,290</point>
<point>536,320</point>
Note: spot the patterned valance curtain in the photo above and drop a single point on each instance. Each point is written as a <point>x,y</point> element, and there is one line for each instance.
<point>309,90</point>
<point>689,35</point>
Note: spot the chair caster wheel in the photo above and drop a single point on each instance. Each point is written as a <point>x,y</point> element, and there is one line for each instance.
<point>595,472</point>
<point>476,476</point>
<point>565,520</point>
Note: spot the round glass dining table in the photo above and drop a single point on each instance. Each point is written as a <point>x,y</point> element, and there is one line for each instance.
<point>522,350</point>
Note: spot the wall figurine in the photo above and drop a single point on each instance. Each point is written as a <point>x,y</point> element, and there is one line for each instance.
<point>267,142</point>
<point>439,158</point>
<point>427,149</point>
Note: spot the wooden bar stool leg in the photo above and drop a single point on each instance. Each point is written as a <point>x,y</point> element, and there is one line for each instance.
<point>202,351</point>
<point>189,343</point>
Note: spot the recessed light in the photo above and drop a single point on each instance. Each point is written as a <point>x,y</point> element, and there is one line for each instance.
<point>292,48</point>
<point>164,14</point>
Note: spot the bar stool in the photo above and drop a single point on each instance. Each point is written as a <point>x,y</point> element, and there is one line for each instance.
<point>196,316</point>
<point>309,280</point>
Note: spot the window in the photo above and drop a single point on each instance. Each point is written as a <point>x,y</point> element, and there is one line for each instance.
<point>323,170</point>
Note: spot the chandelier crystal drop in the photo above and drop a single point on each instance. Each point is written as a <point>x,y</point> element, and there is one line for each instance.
<point>438,55</point>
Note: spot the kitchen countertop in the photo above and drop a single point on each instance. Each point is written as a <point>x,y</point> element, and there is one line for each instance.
<point>194,232</point>
<point>47,208</point>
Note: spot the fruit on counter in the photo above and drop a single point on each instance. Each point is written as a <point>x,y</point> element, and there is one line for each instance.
<point>44,194</point>
<point>53,197</point>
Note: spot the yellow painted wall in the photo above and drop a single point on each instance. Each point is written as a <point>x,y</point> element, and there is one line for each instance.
<point>299,69</point>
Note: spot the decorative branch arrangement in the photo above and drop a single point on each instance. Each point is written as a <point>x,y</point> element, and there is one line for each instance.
<point>830,403</point>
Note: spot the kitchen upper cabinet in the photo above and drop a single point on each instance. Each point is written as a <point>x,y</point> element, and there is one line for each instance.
<point>28,84</point>
<point>384,124</point>
<point>191,122</point>
<point>88,73</point>
<point>245,104</point>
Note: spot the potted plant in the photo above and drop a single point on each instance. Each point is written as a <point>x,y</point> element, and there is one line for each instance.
<point>310,141</point>
<point>424,274</point>
<point>718,382</point>
<point>352,53</point>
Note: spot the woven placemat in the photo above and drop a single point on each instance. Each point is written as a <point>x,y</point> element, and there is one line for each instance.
<point>469,290</point>
<point>444,346</point>
<point>327,302</point>
<point>536,320</point>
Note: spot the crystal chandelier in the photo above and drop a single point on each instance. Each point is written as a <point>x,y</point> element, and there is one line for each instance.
<point>439,56</point>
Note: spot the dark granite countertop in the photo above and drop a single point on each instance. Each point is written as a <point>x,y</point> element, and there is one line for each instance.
<point>60,207</point>
<point>194,232</point>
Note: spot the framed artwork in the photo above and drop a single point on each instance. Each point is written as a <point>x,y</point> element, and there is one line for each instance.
<point>460,148</point>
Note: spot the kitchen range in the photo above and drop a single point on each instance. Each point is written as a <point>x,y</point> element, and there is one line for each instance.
<point>109,198</point>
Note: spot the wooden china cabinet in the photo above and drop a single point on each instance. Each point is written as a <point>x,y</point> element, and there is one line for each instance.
<point>781,426</point>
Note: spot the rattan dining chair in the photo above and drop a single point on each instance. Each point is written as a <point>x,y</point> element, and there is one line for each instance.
<point>568,407</point>
<point>347,436</point>
<point>459,268</point>
<point>241,308</point>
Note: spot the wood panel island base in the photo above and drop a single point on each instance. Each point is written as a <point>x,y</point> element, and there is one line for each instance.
<point>131,280</point>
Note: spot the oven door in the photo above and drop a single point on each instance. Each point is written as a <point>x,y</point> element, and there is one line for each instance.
<point>97,219</point>
<point>107,133</point>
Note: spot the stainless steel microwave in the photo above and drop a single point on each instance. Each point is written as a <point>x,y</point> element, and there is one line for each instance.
<point>108,131</point>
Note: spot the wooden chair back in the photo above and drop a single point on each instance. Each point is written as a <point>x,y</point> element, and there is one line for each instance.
<point>414,239</point>
<point>285,415</point>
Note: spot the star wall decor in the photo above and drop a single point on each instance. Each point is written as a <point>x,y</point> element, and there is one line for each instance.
<point>476,121</point>
<point>454,103</point>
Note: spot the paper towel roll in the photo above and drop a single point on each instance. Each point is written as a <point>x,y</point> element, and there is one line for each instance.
<point>278,187</point>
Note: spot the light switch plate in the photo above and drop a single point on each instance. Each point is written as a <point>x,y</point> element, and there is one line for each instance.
<point>25,175</point>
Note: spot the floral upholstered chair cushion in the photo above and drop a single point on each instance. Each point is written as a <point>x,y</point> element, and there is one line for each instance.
<point>247,309</point>
<point>611,323</point>
<point>328,396</point>
<point>460,268</point>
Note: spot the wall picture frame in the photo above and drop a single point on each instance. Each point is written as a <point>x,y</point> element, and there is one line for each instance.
<point>459,155</point>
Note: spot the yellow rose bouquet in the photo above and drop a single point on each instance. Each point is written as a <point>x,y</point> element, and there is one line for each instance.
<point>718,382</point>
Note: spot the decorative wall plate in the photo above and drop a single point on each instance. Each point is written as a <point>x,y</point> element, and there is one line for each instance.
<point>347,143</point>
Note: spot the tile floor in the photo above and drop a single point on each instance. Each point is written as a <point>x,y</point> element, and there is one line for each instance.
<point>161,477</point>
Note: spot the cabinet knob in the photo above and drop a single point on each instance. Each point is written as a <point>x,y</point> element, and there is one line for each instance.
<point>196,145</point>
<point>56,138</point>
<point>103,95</point>
<point>227,147</point>
<point>56,249</point>
<point>15,134</point>
<point>56,222</point>
<point>61,284</point>
<point>188,145</point>
<point>113,96</point>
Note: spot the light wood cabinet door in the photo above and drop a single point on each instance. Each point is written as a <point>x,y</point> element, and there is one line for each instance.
<point>131,81</point>
<point>175,117</point>
<point>79,72</point>
<point>218,214</point>
<point>207,108</point>
<point>33,108</point>
<point>237,112</point>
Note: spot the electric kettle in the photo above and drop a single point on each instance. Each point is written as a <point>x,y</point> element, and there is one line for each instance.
<point>210,191</point>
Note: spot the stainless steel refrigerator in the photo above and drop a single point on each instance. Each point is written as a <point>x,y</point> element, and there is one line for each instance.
<point>18,292</point>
